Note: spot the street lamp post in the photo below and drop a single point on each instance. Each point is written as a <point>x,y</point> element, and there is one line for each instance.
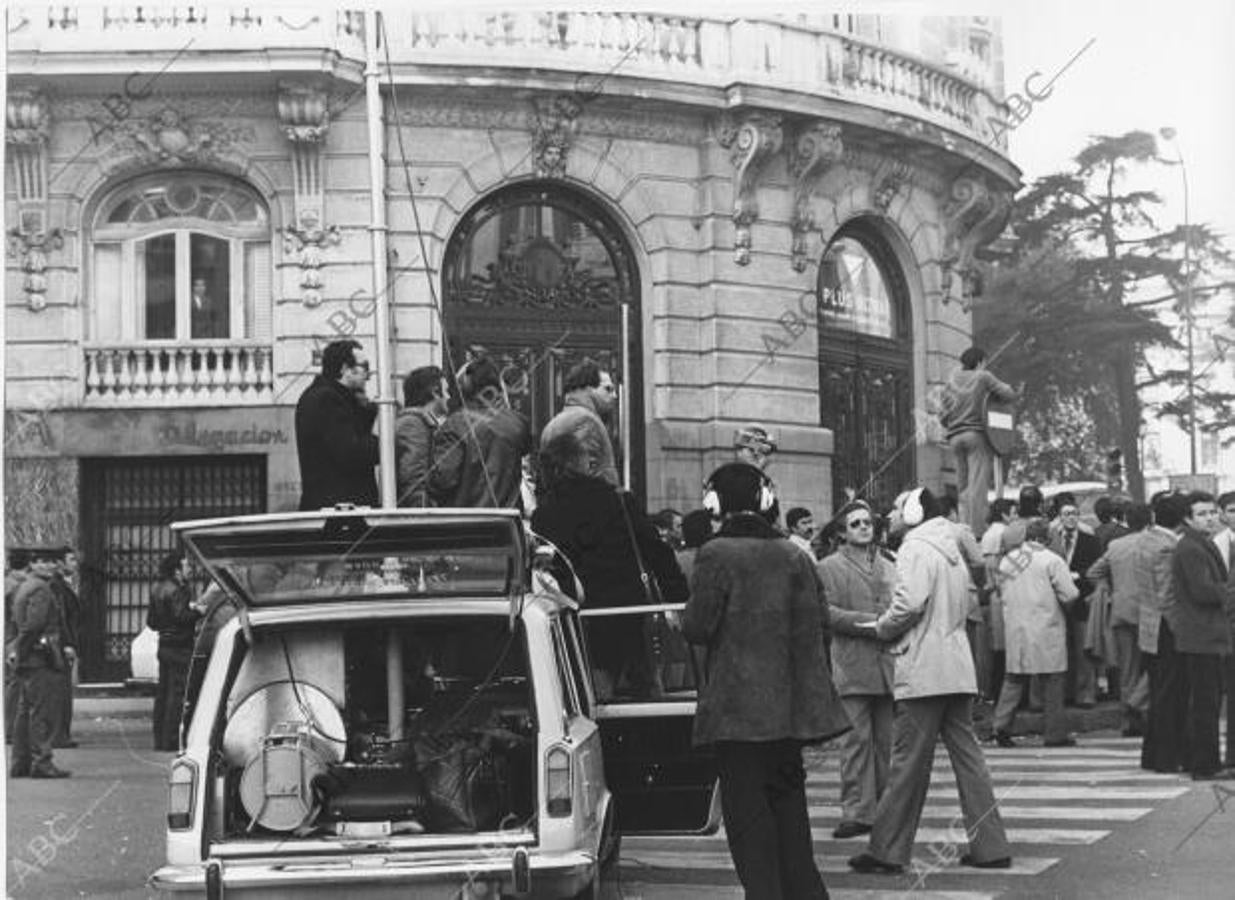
<point>1169,135</point>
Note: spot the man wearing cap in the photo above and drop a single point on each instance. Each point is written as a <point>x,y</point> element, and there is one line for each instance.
<point>757,606</point>
<point>40,656</point>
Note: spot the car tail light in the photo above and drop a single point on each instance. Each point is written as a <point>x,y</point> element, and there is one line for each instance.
<point>557,781</point>
<point>181,792</point>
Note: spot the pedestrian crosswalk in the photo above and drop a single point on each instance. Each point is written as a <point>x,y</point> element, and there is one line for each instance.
<point>1053,802</point>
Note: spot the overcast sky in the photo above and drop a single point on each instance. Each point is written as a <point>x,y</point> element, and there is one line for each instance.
<point>1150,65</point>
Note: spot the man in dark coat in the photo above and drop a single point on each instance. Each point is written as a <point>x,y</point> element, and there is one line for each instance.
<point>605,536</point>
<point>424,408</point>
<point>70,604</point>
<point>757,606</point>
<point>1164,748</point>
<point>40,655</point>
<point>334,432</point>
<point>478,452</point>
<point>174,616</point>
<point>1201,634</point>
<point>1080,551</point>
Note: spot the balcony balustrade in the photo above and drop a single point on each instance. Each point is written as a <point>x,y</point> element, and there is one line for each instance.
<point>166,373</point>
<point>615,49</point>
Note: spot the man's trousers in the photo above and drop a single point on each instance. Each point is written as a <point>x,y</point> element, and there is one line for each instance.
<point>763,801</point>
<point>1056,723</point>
<point>1201,756</point>
<point>919,724</point>
<point>865,755</point>
<point>1167,724</point>
<point>1133,681</point>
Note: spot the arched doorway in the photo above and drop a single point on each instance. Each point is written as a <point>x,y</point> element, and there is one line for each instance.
<point>866,365</point>
<point>539,276</point>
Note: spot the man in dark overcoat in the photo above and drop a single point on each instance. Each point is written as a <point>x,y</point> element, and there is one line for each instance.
<point>1201,634</point>
<point>334,432</point>
<point>757,606</point>
<point>40,655</point>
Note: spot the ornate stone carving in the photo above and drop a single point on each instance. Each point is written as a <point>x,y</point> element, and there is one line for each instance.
<point>817,148</point>
<point>169,138</point>
<point>751,140</point>
<point>308,241</point>
<point>974,216</point>
<point>600,120</point>
<point>303,112</point>
<point>32,247</point>
<point>28,120</point>
<point>894,178</point>
<point>554,124</point>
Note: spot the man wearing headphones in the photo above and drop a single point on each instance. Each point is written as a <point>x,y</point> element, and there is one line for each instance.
<point>934,688</point>
<point>757,606</point>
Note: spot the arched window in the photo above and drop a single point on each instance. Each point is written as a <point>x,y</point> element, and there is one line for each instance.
<point>539,276</point>
<point>866,365</point>
<point>181,256</point>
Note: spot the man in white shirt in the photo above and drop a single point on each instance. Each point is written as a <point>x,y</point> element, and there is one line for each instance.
<point>801,525</point>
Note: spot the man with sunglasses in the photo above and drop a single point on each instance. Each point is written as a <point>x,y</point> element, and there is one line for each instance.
<point>858,582</point>
<point>334,432</point>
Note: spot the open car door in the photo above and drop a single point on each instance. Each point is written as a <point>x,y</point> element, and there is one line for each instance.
<point>645,677</point>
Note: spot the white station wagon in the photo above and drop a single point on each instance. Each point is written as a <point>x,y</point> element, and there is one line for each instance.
<point>403,707</point>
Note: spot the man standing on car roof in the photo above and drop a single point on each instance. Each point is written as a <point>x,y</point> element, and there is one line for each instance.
<point>757,605</point>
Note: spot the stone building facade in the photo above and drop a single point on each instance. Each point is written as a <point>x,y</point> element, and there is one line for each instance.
<point>748,220</point>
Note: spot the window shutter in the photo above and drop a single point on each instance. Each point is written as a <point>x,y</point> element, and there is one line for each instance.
<point>257,290</point>
<point>105,318</point>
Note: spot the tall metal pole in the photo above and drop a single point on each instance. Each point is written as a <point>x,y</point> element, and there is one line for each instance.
<point>1171,135</point>
<point>377,234</point>
<point>381,324</point>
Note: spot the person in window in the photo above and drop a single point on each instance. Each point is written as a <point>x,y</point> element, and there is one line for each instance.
<point>757,605</point>
<point>591,399</point>
<point>604,534</point>
<point>478,452</point>
<point>207,316</point>
<point>334,432</point>
<point>174,616</point>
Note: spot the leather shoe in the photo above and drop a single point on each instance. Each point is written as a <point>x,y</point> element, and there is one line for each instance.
<point>1003,739</point>
<point>1133,731</point>
<point>850,829</point>
<point>19,772</point>
<point>870,865</point>
<point>1003,862</point>
<point>49,771</point>
<point>65,745</point>
<point>1061,742</point>
<point>1220,775</point>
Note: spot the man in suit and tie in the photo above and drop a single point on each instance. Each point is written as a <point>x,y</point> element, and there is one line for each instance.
<point>1080,551</point>
<point>1119,567</point>
<point>1224,540</point>
<point>1163,749</point>
<point>1202,633</point>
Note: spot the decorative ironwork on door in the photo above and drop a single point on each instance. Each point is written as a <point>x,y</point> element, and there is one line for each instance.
<point>127,507</point>
<point>538,277</point>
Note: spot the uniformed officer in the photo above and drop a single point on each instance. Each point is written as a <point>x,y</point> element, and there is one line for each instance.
<point>40,655</point>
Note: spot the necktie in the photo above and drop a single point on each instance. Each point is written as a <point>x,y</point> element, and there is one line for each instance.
<point>1068,538</point>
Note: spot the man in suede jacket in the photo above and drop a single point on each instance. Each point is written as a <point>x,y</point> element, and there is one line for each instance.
<point>757,607</point>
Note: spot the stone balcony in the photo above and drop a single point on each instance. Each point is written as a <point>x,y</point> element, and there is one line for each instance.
<point>170,373</point>
<point>718,62</point>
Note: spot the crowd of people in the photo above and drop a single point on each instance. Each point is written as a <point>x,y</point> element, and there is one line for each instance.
<point>879,630</point>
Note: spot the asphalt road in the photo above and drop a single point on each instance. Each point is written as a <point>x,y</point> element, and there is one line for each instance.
<point>1083,823</point>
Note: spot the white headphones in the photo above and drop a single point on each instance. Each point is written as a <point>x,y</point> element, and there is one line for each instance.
<point>767,496</point>
<point>910,504</point>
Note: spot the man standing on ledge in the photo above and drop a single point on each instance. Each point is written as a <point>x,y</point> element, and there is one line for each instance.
<point>591,398</point>
<point>963,415</point>
<point>334,432</point>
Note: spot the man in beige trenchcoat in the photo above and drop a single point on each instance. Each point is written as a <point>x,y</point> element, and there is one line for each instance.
<point>1036,585</point>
